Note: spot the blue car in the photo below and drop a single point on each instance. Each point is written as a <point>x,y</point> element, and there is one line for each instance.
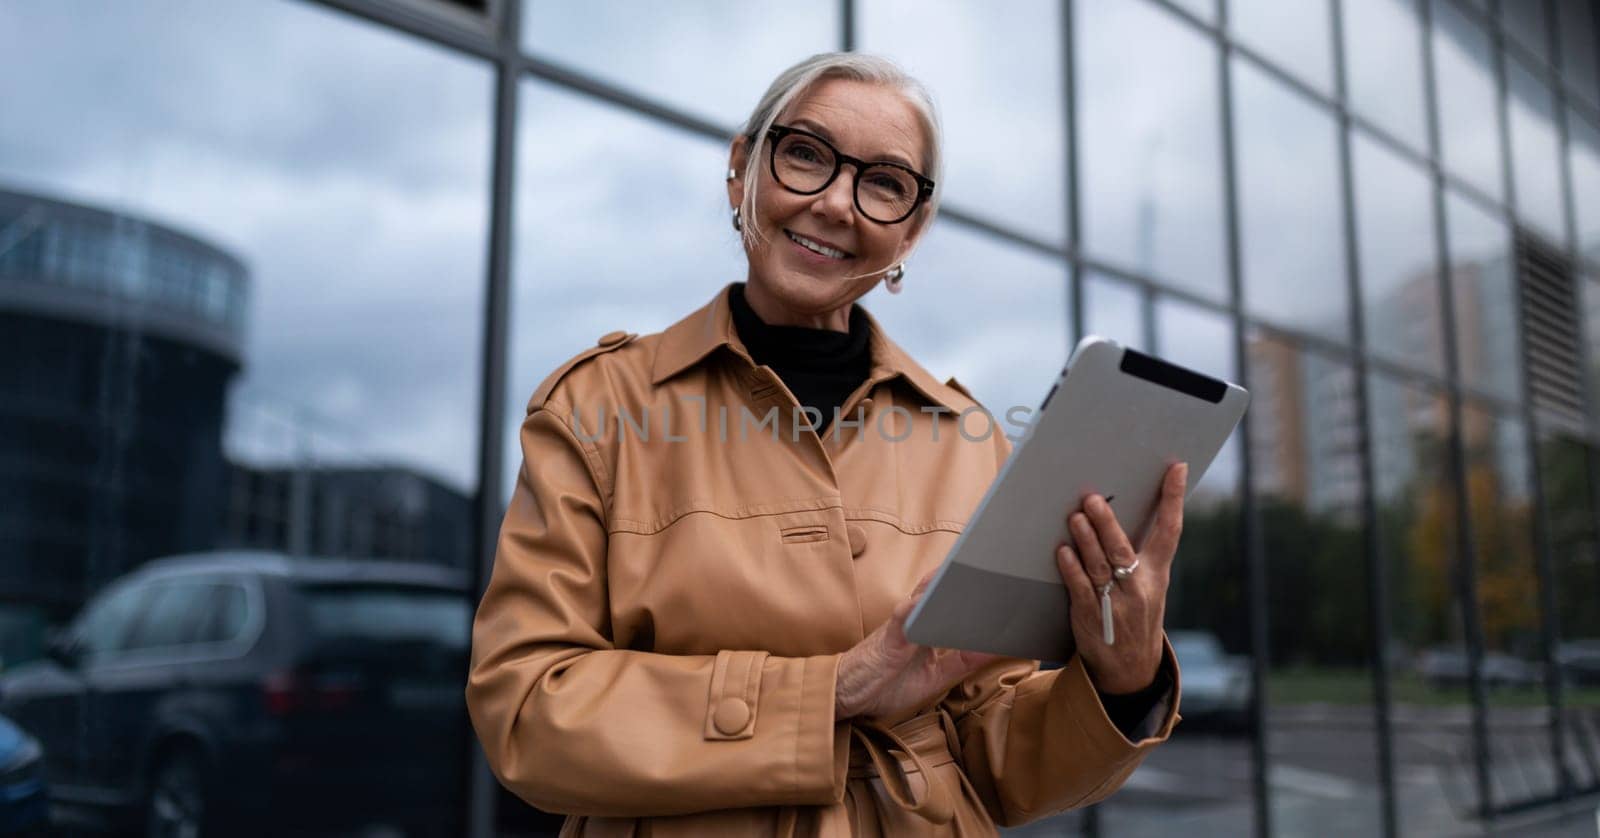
<point>23,804</point>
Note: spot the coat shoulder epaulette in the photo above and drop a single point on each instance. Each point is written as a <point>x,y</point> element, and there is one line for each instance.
<point>957,386</point>
<point>608,342</point>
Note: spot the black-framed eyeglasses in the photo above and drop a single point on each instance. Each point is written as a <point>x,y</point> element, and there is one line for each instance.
<point>806,164</point>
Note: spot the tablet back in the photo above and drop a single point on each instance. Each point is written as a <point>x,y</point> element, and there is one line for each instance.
<point>1113,423</point>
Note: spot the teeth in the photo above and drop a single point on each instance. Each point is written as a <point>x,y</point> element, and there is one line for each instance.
<point>814,247</point>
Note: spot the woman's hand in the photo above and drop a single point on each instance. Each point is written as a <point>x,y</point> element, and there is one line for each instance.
<point>886,675</point>
<point>1138,603</point>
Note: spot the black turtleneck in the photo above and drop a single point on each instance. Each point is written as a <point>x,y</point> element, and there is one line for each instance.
<point>822,367</point>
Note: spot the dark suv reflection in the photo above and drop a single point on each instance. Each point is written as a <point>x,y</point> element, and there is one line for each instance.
<point>248,692</point>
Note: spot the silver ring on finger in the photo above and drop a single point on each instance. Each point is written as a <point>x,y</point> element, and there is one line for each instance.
<point>1121,572</point>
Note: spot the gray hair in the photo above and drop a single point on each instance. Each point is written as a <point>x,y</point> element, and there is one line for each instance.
<point>796,80</point>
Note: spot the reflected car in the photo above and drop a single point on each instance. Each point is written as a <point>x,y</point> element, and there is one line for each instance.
<point>1216,685</point>
<point>250,693</point>
<point>24,807</point>
<point>1447,667</point>
<point>1579,661</point>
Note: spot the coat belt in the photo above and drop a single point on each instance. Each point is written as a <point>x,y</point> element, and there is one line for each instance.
<point>897,754</point>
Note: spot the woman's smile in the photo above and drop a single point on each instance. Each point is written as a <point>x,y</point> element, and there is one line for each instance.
<point>815,252</point>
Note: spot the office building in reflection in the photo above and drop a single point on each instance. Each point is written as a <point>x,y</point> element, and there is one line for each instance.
<point>121,336</point>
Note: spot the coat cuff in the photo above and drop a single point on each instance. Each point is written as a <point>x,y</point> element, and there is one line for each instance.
<point>1097,725</point>
<point>822,746</point>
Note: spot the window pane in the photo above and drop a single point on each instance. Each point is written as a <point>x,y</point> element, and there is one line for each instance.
<point>713,58</point>
<point>1306,455</point>
<point>595,252</point>
<point>1005,340</point>
<point>1399,273</point>
<point>1589,288</point>
<point>1290,211</point>
<point>174,615</point>
<point>1415,498</point>
<point>1500,503</point>
<point>1206,10</point>
<point>1536,154</point>
<point>1485,298</point>
<point>1383,57</point>
<point>995,70</point>
<point>1114,309</point>
<point>1150,145</point>
<point>1577,33</point>
<point>1524,23</point>
<point>376,614</point>
<point>1565,466</point>
<point>229,609</point>
<point>105,626</point>
<point>1201,777</point>
<point>1296,35</point>
<point>1584,144</point>
<point>245,310</point>
<point>1469,131</point>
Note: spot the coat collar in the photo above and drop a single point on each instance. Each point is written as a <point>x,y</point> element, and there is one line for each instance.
<point>690,340</point>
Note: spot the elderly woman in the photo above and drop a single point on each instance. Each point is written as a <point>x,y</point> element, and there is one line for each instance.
<point>694,625</point>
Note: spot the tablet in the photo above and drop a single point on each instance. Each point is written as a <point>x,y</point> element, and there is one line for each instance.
<point>1113,423</point>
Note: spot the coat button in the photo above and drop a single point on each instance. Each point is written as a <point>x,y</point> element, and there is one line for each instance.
<point>612,338</point>
<point>731,715</point>
<point>858,539</point>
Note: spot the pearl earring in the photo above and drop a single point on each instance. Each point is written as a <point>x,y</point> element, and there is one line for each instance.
<point>738,223</point>
<point>893,277</point>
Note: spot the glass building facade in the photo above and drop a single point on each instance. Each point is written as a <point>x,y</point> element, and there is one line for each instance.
<point>339,242</point>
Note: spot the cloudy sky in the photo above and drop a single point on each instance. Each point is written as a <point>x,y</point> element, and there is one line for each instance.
<point>348,167</point>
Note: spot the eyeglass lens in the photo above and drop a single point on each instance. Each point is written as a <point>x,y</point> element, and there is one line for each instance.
<point>886,194</point>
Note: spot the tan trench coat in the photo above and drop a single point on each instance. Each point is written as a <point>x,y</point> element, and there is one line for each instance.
<point>656,649</point>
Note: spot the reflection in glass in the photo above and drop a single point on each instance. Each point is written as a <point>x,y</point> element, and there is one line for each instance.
<point>1201,777</point>
<point>1416,506</point>
<point>994,316</point>
<point>1564,473</point>
<point>1202,340</point>
<point>1290,212</point>
<point>1384,65</point>
<point>1305,449</point>
<point>622,223</point>
<point>1576,28</point>
<point>1295,35</point>
<point>1524,23</point>
<point>1399,274</point>
<point>711,57</point>
<point>1535,153</point>
<point>1484,296</point>
<point>1584,147</point>
<point>1206,10</point>
<point>999,91</point>
<point>241,291</point>
<point>1114,309</point>
<point>1469,131</point>
<point>1499,500</point>
<point>1589,298</point>
<point>1149,145</point>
